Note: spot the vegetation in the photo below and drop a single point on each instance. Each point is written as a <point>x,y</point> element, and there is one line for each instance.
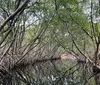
<point>34,33</point>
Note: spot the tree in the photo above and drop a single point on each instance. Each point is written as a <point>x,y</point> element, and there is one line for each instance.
<point>39,31</point>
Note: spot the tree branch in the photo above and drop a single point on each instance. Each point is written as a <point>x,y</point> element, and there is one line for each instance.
<point>14,14</point>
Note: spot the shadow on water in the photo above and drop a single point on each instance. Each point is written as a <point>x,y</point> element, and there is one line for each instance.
<point>57,72</point>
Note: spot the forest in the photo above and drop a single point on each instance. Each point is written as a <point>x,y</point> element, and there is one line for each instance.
<point>49,42</point>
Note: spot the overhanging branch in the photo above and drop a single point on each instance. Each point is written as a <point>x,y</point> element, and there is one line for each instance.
<point>14,14</point>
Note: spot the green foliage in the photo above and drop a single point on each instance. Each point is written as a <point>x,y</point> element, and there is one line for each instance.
<point>44,28</point>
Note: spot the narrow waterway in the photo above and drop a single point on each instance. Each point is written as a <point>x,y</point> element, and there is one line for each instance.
<point>55,72</point>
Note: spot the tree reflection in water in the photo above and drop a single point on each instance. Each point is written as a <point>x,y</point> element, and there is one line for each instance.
<point>57,72</point>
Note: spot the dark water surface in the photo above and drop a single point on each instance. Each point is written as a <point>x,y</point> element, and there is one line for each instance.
<point>59,72</point>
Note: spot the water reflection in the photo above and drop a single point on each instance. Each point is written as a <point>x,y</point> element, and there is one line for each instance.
<point>59,72</point>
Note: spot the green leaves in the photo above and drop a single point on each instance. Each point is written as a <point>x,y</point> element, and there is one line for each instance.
<point>45,29</point>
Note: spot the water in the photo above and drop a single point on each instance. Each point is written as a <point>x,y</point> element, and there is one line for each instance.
<point>57,72</point>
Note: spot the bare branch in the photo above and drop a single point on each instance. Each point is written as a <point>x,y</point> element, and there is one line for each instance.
<point>14,14</point>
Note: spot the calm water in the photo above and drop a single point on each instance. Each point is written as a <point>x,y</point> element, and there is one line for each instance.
<point>59,72</point>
